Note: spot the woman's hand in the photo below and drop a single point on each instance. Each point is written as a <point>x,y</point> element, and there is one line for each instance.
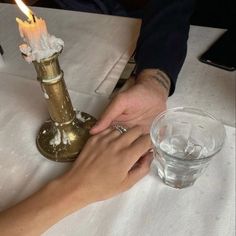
<point>109,164</point>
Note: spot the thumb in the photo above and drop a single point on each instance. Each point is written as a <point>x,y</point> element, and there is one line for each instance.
<point>114,109</point>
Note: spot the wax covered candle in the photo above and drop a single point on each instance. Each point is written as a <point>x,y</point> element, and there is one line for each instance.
<point>39,44</point>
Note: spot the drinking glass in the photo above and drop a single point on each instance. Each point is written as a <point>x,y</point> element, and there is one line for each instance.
<point>184,141</point>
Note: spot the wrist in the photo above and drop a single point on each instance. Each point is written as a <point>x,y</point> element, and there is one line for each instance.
<point>156,79</point>
<point>67,196</point>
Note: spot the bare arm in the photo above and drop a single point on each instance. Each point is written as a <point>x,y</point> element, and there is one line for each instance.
<point>95,176</point>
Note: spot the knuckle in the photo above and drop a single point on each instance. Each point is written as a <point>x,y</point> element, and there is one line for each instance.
<point>139,128</point>
<point>93,140</point>
<point>104,141</point>
<point>116,147</point>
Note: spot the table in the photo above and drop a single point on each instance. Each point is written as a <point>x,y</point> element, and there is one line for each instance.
<point>99,54</point>
<point>204,86</point>
<point>93,46</point>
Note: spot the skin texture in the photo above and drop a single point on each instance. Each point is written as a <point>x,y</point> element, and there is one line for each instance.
<point>139,104</point>
<point>98,174</point>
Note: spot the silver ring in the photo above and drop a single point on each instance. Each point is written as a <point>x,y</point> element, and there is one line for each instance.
<point>120,128</point>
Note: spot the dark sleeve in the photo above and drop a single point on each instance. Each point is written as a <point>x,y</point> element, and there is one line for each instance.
<point>163,37</point>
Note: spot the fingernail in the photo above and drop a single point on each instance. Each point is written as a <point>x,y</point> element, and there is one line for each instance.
<point>94,128</point>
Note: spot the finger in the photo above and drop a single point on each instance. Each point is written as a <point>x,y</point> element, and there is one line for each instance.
<point>104,133</point>
<point>114,109</point>
<point>108,134</point>
<point>138,148</point>
<point>114,134</point>
<point>93,142</point>
<point>108,137</point>
<point>142,160</point>
<point>140,170</point>
<point>130,136</point>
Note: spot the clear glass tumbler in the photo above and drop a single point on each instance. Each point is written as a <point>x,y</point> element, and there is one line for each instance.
<point>184,141</point>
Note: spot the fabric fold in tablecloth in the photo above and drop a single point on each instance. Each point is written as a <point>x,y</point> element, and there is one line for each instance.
<point>108,84</point>
<point>97,47</point>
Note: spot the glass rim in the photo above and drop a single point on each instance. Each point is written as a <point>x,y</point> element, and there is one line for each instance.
<point>158,117</point>
<point>182,109</point>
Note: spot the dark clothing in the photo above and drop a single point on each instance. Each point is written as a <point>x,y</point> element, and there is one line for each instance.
<point>163,37</point>
<point>110,7</point>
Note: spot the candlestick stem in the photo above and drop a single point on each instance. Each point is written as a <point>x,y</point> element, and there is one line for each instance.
<point>63,136</point>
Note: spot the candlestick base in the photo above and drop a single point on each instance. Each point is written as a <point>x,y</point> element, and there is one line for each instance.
<point>63,142</point>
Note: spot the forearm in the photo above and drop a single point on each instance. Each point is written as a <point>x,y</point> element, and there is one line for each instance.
<point>37,213</point>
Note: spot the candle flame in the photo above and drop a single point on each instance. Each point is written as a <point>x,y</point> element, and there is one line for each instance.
<point>24,9</point>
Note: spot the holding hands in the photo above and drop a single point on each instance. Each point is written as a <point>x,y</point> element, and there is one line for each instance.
<point>139,104</point>
<point>110,163</point>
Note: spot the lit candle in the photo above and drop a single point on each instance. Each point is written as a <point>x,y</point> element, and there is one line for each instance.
<point>39,44</point>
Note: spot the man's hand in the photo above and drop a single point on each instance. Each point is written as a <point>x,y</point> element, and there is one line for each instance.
<point>139,104</point>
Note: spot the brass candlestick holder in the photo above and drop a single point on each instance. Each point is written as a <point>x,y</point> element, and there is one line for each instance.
<point>62,137</point>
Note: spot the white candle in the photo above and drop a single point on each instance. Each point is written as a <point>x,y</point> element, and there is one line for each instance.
<point>39,44</point>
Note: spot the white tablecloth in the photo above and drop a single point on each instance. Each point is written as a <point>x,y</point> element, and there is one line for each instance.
<point>97,48</point>
<point>203,86</point>
<point>150,208</point>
